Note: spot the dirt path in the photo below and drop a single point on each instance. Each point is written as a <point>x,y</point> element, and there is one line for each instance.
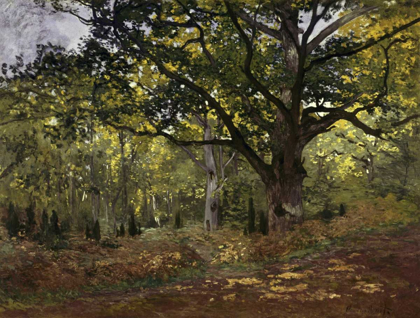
<point>374,275</point>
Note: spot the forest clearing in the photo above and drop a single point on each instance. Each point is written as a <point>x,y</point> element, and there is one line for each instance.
<point>367,274</point>
<point>209,158</point>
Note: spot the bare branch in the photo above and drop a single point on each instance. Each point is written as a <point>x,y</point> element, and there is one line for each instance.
<point>230,160</point>
<point>405,120</point>
<point>8,170</point>
<point>194,158</point>
<point>336,25</point>
<point>260,26</point>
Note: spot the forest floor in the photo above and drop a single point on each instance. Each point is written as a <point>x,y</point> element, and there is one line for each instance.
<point>367,274</point>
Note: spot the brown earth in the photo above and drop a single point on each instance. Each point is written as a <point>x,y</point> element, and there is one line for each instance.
<point>371,275</point>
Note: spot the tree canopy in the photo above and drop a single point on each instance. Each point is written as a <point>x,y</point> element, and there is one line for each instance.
<point>269,76</point>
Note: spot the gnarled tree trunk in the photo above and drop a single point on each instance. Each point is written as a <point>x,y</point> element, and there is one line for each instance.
<point>284,196</point>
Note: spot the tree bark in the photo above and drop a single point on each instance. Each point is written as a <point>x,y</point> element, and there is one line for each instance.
<point>284,203</point>
<point>124,195</point>
<point>93,200</point>
<point>212,197</point>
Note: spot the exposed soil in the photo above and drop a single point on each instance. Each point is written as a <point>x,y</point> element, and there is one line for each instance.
<point>372,275</point>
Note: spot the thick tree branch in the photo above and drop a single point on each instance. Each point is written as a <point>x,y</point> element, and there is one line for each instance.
<point>247,65</point>
<point>405,120</point>
<point>260,26</point>
<point>323,109</point>
<point>368,44</point>
<point>333,27</point>
<point>8,170</point>
<point>200,39</point>
<point>135,132</point>
<point>385,90</point>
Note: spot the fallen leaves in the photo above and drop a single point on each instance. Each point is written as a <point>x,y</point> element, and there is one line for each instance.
<point>289,289</point>
<point>368,288</point>
<point>292,275</point>
<point>322,294</point>
<point>243,281</point>
<point>230,297</point>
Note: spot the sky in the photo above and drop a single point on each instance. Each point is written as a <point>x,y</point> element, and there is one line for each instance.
<point>23,25</point>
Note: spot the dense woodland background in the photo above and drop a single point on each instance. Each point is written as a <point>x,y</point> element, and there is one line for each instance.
<point>122,131</point>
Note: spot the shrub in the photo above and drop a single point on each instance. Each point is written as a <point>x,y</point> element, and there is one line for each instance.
<point>44,223</point>
<point>96,232</point>
<point>132,228</point>
<point>54,225</point>
<point>326,214</point>
<point>88,234</point>
<point>30,215</point>
<point>342,210</point>
<point>263,223</point>
<point>13,223</point>
<point>122,230</point>
<point>178,219</point>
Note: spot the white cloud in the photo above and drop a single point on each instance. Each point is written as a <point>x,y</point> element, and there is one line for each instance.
<point>23,25</point>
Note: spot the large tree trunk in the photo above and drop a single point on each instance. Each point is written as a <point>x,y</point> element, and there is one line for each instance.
<point>284,198</point>
<point>284,186</point>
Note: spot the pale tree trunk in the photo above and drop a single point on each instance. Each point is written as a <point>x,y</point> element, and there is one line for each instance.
<point>168,204</point>
<point>145,208</point>
<point>154,207</point>
<point>93,200</point>
<point>113,201</point>
<point>106,207</point>
<point>124,196</point>
<point>211,212</point>
<point>113,206</point>
<point>212,195</point>
<point>72,197</point>
<point>370,168</point>
<point>221,163</point>
<point>107,195</point>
